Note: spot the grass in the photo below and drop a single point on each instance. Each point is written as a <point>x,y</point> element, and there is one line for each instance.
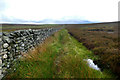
<point>61,56</point>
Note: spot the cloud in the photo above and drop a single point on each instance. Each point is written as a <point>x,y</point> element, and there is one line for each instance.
<point>54,11</point>
<point>44,21</point>
<point>2,5</point>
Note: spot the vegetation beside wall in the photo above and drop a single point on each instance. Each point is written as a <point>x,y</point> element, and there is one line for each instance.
<point>61,56</point>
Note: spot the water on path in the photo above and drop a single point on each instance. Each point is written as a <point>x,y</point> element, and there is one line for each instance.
<point>91,64</point>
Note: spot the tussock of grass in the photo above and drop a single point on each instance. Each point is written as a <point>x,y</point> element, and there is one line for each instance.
<point>72,66</point>
<point>61,56</point>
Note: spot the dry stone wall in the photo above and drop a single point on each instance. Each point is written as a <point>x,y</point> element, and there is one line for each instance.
<point>14,43</point>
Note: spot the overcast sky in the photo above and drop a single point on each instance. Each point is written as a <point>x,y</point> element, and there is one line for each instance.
<point>58,11</point>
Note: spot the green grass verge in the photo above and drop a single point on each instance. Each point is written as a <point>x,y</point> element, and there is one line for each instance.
<point>61,57</point>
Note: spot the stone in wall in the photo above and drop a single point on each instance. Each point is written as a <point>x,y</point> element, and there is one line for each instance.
<point>21,41</point>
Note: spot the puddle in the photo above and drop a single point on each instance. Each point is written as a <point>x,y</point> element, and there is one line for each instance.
<point>110,32</point>
<point>0,33</point>
<point>91,64</point>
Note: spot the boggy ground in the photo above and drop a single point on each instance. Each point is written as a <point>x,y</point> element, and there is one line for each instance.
<point>103,40</point>
<point>60,56</point>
